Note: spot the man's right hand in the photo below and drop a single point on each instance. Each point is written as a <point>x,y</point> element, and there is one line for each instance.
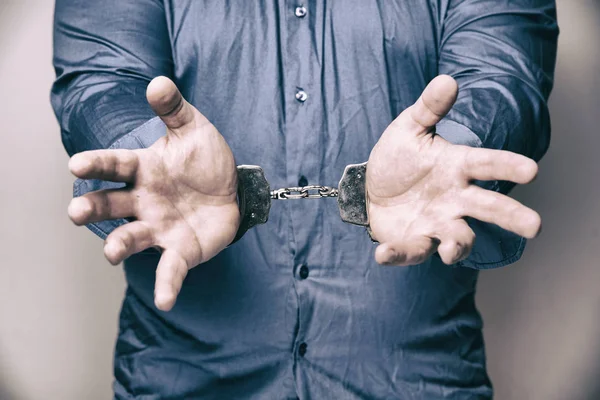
<point>181,193</point>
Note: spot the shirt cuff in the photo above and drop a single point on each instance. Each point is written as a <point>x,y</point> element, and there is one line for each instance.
<point>457,133</point>
<point>142,137</point>
<point>494,247</point>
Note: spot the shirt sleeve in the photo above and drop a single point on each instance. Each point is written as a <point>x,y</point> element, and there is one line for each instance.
<point>105,54</point>
<point>503,55</point>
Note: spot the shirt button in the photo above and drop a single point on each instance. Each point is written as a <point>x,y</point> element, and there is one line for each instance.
<point>301,96</point>
<point>303,272</point>
<point>302,349</point>
<point>300,12</point>
<point>302,181</point>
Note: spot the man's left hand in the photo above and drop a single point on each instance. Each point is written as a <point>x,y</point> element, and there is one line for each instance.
<point>420,187</point>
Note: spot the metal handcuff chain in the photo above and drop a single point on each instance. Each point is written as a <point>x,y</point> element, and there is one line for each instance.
<point>304,192</point>
<point>255,196</point>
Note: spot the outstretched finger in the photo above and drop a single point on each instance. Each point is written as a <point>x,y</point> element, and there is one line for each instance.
<point>489,165</point>
<point>407,252</point>
<point>168,103</point>
<point>102,205</point>
<point>488,206</point>
<point>117,165</point>
<point>435,102</point>
<point>127,240</point>
<point>170,273</point>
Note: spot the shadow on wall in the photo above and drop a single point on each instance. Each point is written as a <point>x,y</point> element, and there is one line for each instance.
<point>5,394</point>
<point>541,316</point>
<point>591,382</point>
<point>593,391</point>
<point>7,385</point>
<point>6,391</point>
<point>9,10</point>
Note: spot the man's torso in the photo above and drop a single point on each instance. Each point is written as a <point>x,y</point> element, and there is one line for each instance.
<point>249,323</point>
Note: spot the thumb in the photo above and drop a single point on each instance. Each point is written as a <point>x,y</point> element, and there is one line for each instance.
<point>168,103</point>
<point>435,102</point>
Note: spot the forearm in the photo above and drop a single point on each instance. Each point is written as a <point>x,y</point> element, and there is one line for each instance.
<point>105,54</point>
<point>503,58</point>
<point>504,114</point>
<point>98,115</point>
<point>116,118</point>
<point>501,113</point>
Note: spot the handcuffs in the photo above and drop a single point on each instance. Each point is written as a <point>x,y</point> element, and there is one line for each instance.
<point>255,195</point>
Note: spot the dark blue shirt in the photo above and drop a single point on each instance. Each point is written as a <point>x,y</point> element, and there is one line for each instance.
<point>298,307</point>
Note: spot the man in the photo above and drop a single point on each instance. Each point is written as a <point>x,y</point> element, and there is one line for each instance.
<point>299,307</point>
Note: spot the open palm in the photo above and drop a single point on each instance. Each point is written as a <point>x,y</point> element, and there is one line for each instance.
<point>420,187</point>
<point>180,193</point>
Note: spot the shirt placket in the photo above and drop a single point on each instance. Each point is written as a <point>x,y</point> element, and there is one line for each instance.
<point>303,151</point>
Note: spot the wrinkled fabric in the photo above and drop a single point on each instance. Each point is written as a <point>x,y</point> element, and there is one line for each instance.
<point>247,324</point>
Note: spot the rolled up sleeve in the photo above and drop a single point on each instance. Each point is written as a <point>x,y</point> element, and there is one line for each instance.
<point>503,55</point>
<point>105,54</point>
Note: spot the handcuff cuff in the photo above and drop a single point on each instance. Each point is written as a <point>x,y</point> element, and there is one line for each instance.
<point>255,196</point>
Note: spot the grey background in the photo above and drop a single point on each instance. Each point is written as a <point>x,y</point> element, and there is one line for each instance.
<point>59,298</point>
